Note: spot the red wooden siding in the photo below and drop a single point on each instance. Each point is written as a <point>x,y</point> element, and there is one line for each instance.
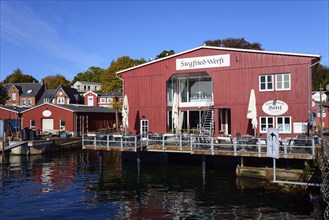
<point>146,86</point>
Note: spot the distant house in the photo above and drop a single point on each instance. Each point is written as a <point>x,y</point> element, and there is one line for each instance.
<point>24,94</point>
<point>102,99</point>
<point>82,86</point>
<point>65,95</point>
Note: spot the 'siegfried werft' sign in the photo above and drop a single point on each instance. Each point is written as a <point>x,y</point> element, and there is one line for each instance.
<point>203,62</point>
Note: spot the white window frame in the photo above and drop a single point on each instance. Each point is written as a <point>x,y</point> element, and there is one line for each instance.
<point>283,129</point>
<point>102,100</point>
<point>13,96</point>
<point>266,82</point>
<point>23,102</point>
<point>60,100</point>
<point>61,127</point>
<point>29,101</point>
<point>32,123</point>
<point>109,100</point>
<point>267,124</point>
<point>283,87</point>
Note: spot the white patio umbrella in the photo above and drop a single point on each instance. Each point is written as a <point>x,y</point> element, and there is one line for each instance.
<point>252,111</point>
<point>175,113</point>
<point>125,112</point>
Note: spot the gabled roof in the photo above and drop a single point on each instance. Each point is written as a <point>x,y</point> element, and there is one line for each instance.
<point>220,48</point>
<point>95,93</point>
<point>71,93</point>
<point>46,95</point>
<point>77,108</point>
<point>16,109</point>
<point>26,89</point>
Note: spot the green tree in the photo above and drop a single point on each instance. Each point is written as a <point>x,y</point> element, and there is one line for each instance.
<point>165,53</point>
<point>109,81</point>
<point>234,43</point>
<point>19,77</point>
<point>52,82</point>
<point>3,94</point>
<point>320,76</point>
<point>93,74</point>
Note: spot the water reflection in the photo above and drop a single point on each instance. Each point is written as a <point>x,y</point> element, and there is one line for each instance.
<point>89,184</point>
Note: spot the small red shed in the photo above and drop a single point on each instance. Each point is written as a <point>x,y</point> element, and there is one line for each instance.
<point>75,119</point>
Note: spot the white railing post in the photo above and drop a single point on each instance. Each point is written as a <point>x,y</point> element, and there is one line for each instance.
<point>121,143</point>
<point>234,146</point>
<point>95,142</point>
<point>313,146</point>
<point>212,145</point>
<point>191,144</point>
<point>180,142</point>
<point>259,147</point>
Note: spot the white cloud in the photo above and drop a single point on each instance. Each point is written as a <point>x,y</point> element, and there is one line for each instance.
<point>24,27</point>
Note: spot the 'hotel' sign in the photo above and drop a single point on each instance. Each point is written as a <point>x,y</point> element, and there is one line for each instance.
<point>203,62</point>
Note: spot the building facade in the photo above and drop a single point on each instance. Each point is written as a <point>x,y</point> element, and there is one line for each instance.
<point>75,119</point>
<point>221,79</point>
<point>103,99</point>
<point>82,86</point>
<point>24,94</point>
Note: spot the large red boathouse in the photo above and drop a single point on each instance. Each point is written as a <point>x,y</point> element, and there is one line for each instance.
<point>220,80</point>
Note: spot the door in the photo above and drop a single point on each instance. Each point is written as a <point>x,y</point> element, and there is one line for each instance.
<point>90,101</point>
<point>47,125</point>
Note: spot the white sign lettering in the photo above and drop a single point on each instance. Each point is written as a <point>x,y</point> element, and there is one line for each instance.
<point>275,107</point>
<point>203,62</point>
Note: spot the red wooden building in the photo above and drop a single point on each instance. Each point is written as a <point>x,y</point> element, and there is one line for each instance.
<point>220,79</point>
<point>75,119</point>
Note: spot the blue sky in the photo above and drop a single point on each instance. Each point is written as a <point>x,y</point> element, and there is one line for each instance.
<point>45,38</point>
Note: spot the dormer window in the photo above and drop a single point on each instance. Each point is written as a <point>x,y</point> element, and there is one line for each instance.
<point>29,91</point>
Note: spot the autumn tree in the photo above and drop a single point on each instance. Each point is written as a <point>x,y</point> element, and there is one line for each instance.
<point>165,53</point>
<point>109,81</point>
<point>52,82</point>
<point>93,74</point>
<point>234,43</point>
<point>320,76</point>
<point>19,77</point>
<point>3,94</point>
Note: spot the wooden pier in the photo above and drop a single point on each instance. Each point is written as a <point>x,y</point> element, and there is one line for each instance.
<point>290,148</point>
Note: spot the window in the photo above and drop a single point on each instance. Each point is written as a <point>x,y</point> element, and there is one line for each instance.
<point>109,100</point>
<point>103,100</point>
<point>282,81</point>
<point>282,123</point>
<point>266,83</point>
<point>32,123</point>
<point>13,96</point>
<point>29,91</point>
<point>266,122</point>
<point>60,100</point>
<point>23,102</point>
<point>29,101</point>
<point>45,100</point>
<point>62,124</point>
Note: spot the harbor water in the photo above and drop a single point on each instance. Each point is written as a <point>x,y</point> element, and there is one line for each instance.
<point>89,185</point>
